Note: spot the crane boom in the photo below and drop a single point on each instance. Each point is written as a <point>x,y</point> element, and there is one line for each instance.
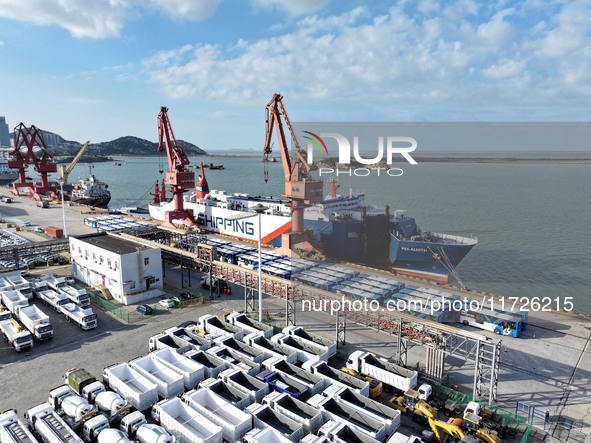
<point>65,172</point>
<point>300,186</point>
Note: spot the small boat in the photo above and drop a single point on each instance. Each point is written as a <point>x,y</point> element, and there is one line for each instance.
<point>212,166</point>
<point>116,164</point>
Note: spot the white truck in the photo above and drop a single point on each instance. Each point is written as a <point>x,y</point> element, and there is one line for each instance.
<point>170,382</point>
<point>77,296</point>
<point>231,394</point>
<point>185,423</point>
<point>16,337</point>
<point>219,328</point>
<point>53,282</point>
<point>19,283</point>
<point>313,382</point>
<point>140,392</point>
<point>5,314</point>
<point>265,417</point>
<point>12,430</point>
<point>385,414</point>
<point>135,425</point>
<point>235,360</point>
<point>337,377</point>
<point>273,349</point>
<point>255,388</point>
<point>196,339</point>
<point>13,299</point>
<point>389,373</point>
<point>233,421</point>
<point>241,348</point>
<point>163,341</point>
<point>301,335</point>
<point>36,321</point>
<point>37,286</point>
<point>53,298</point>
<point>212,365</point>
<point>191,371</point>
<point>74,409</point>
<point>49,426</point>
<point>85,384</point>
<point>84,318</point>
<point>249,326</point>
<point>310,418</point>
<point>305,352</point>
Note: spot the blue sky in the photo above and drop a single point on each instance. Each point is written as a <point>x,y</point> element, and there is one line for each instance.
<point>101,69</point>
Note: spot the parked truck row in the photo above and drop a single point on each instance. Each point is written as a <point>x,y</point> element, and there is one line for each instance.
<point>201,385</point>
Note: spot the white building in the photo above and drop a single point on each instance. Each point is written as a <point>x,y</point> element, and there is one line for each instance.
<point>131,272</point>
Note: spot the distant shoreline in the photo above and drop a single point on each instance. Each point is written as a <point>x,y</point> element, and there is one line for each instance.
<point>418,159</point>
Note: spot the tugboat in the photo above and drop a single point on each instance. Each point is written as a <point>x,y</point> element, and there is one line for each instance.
<point>89,191</point>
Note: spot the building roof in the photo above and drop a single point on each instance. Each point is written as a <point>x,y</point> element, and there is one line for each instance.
<point>112,243</point>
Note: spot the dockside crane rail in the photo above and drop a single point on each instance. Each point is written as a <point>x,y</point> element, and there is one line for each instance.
<point>177,177</point>
<point>65,172</point>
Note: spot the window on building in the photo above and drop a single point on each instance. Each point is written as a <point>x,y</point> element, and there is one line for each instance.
<point>109,263</point>
<point>132,285</point>
<point>146,261</point>
<point>93,257</point>
<point>102,260</point>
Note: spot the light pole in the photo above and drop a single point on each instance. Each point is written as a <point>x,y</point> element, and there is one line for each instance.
<point>258,210</point>
<point>63,207</point>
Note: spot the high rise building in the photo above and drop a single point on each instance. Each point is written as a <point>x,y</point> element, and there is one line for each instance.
<point>4,134</point>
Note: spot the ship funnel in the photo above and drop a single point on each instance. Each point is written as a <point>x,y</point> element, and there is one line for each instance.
<point>201,188</point>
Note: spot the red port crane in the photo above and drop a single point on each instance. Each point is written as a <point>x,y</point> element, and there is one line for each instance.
<point>177,177</point>
<point>44,165</point>
<point>300,186</point>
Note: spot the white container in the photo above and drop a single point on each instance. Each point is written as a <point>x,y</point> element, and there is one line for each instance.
<point>329,346</point>
<point>394,375</point>
<point>212,365</point>
<point>140,392</point>
<point>218,328</point>
<point>265,417</point>
<point>170,383</point>
<point>254,387</point>
<point>305,352</point>
<point>273,349</point>
<point>309,417</point>
<point>185,423</point>
<point>338,378</point>
<point>248,352</point>
<point>191,371</point>
<point>235,360</point>
<point>36,321</point>
<point>313,382</point>
<point>11,425</point>
<point>233,421</point>
<point>250,326</point>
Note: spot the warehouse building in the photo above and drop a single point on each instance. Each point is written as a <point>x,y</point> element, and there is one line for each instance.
<point>130,272</point>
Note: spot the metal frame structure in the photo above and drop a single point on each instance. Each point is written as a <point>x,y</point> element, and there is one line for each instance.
<point>439,340</point>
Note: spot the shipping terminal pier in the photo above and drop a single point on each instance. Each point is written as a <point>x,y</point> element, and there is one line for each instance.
<point>545,369</point>
<point>185,328</point>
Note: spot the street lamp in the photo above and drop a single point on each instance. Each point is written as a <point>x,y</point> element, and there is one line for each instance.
<point>61,180</point>
<point>258,210</point>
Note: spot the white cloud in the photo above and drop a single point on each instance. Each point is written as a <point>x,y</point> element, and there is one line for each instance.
<point>401,56</point>
<point>100,18</point>
<point>95,19</point>
<point>185,9</point>
<point>1,43</point>
<point>292,7</point>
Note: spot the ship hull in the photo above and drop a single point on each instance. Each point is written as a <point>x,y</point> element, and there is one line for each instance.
<point>434,260</point>
<point>98,202</point>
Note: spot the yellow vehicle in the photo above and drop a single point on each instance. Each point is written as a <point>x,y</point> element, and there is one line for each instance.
<point>410,402</point>
<point>375,386</point>
<point>454,428</point>
<point>472,425</point>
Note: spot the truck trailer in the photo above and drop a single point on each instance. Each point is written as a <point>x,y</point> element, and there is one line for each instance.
<point>185,423</point>
<point>140,392</point>
<point>49,426</point>
<point>12,430</point>
<point>170,382</point>
<point>250,326</point>
<point>191,371</point>
<point>389,373</point>
<point>273,349</point>
<point>36,321</point>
